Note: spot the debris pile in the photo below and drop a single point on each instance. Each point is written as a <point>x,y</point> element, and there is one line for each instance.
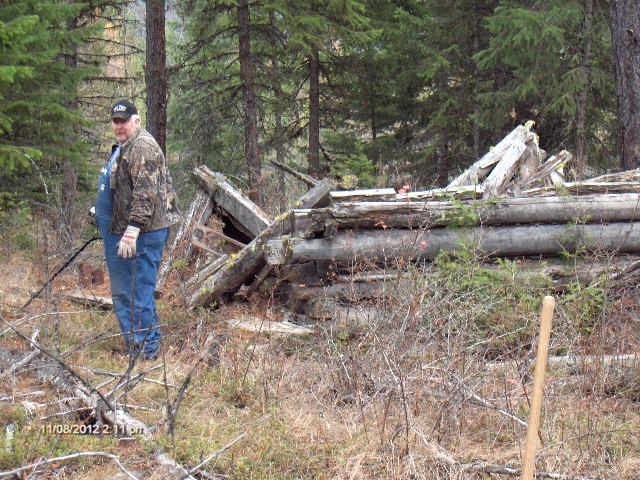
<point>513,202</point>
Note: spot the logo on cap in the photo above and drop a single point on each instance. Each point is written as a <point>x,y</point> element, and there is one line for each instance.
<point>120,108</point>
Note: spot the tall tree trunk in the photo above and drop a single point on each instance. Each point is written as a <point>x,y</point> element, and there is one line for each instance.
<point>580,159</point>
<point>476,104</point>
<point>313,155</point>
<point>279,129</point>
<point>68,190</point>
<point>625,29</point>
<point>155,75</point>
<point>250,115</point>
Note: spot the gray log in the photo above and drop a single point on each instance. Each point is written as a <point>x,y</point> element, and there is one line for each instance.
<point>388,245</point>
<point>318,195</point>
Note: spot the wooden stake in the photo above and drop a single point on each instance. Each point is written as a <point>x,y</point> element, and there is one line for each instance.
<point>528,464</point>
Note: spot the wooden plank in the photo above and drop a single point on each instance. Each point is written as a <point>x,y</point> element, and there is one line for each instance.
<point>231,200</point>
<point>373,194</point>
<point>198,212</point>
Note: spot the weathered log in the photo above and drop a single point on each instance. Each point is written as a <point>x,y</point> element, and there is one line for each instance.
<point>318,196</point>
<point>198,212</point>
<point>503,211</point>
<point>239,207</point>
<point>509,164</point>
<point>583,188</point>
<point>550,166</point>
<point>388,245</point>
<point>476,173</point>
<point>206,272</point>
<point>626,176</point>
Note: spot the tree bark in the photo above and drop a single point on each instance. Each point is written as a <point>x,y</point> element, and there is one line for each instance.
<point>580,162</point>
<point>313,155</point>
<point>625,27</point>
<point>249,107</point>
<point>155,73</point>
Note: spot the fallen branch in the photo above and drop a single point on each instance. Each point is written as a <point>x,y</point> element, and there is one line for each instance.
<point>18,471</point>
<point>484,467</point>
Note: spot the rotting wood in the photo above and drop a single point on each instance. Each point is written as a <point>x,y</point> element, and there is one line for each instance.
<point>551,165</point>
<point>239,268</point>
<point>584,188</point>
<point>461,193</point>
<point>387,246</point>
<point>88,299</point>
<point>260,325</point>
<point>198,212</point>
<point>503,211</point>
<point>480,169</point>
<point>318,196</point>
<point>231,200</point>
<point>207,271</point>
<point>508,165</point>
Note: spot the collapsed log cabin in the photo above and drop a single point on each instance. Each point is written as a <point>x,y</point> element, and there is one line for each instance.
<point>513,202</point>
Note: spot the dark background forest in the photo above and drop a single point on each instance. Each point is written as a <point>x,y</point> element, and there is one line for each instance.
<point>371,92</point>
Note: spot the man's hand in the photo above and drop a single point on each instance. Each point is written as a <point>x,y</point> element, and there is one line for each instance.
<point>127,245</point>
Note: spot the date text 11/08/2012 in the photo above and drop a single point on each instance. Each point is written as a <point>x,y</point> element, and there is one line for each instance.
<point>76,429</point>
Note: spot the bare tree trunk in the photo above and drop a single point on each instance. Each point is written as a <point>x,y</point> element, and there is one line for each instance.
<point>155,74</point>
<point>314,112</point>
<point>249,107</point>
<point>625,28</point>
<point>580,159</point>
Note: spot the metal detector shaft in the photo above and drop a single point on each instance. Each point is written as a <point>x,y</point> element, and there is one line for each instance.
<point>67,263</point>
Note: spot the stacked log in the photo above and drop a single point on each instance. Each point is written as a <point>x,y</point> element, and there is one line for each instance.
<point>513,202</point>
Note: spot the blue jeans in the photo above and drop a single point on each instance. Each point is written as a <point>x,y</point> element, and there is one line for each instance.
<point>133,282</point>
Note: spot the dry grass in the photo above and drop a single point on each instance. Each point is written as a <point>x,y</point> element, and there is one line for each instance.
<point>406,394</point>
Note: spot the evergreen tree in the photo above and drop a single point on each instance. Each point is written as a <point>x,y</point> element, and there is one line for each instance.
<point>37,87</point>
<point>544,71</point>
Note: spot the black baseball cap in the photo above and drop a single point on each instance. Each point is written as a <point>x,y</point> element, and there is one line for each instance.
<point>123,109</point>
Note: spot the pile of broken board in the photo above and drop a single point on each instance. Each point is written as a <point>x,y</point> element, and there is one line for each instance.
<point>343,245</point>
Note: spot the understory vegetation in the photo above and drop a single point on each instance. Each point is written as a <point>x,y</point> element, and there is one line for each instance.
<point>426,381</point>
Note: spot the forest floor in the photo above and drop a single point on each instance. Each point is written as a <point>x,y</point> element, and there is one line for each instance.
<point>432,382</point>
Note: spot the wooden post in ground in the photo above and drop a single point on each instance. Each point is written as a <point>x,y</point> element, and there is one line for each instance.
<point>528,464</point>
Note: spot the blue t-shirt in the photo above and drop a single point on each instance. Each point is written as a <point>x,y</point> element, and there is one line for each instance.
<point>103,200</point>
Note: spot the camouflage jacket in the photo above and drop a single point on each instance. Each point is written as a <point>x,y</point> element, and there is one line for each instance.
<point>141,191</point>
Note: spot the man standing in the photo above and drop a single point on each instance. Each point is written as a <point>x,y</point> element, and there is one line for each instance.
<point>135,207</point>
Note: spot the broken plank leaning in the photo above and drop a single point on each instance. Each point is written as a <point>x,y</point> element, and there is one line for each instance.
<point>239,207</point>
